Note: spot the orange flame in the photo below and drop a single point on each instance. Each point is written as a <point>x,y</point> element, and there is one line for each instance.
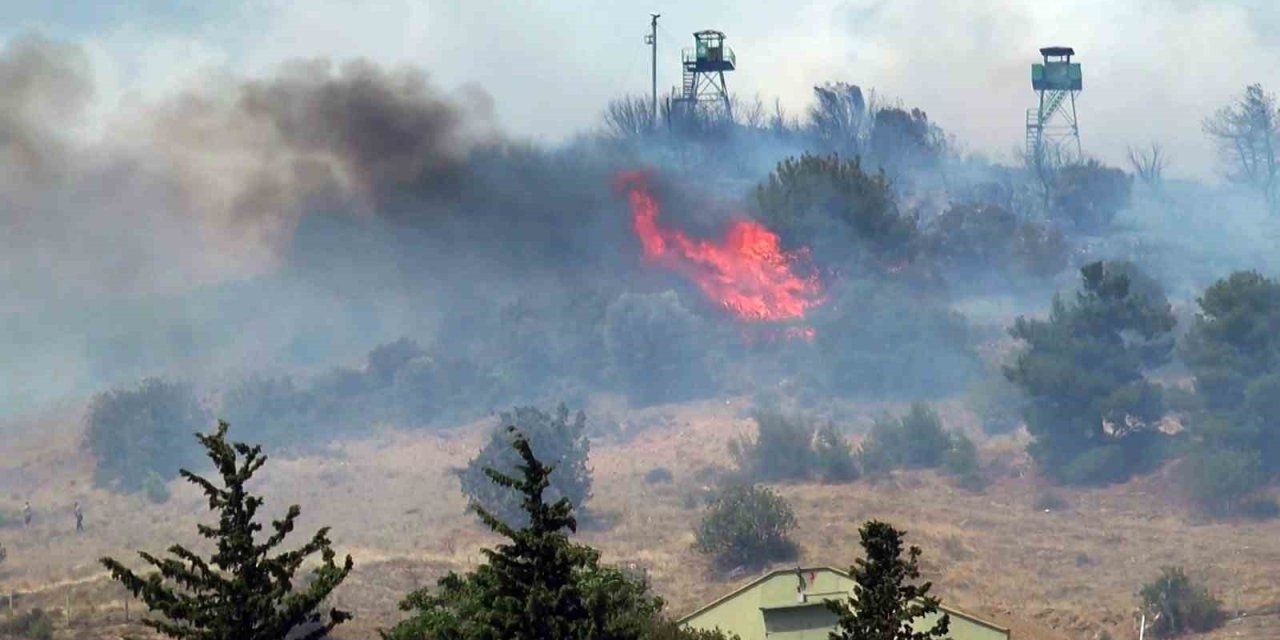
<point>747,272</point>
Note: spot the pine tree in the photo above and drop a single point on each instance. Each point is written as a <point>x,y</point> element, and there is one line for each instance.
<point>885,601</point>
<point>535,596</point>
<point>540,584</point>
<point>241,592</point>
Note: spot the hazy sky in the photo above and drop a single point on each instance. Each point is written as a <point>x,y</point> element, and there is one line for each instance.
<point>1153,68</point>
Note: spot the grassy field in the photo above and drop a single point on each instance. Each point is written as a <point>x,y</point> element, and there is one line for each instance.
<point>1070,572</point>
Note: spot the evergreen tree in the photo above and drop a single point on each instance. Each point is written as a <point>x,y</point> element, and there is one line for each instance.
<point>1091,409</point>
<point>886,601</point>
<point>241,592</point>
<point>538,585</point>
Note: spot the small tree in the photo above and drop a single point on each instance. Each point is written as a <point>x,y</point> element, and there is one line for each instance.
<point>747,526</point>
<point>886,602</point>
<point>556,438</point>
<point>134,432</point>
<point>1175,605</point>
<point>241,592</point>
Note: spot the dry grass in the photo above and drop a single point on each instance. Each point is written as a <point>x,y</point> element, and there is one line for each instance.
<point>394,506</point>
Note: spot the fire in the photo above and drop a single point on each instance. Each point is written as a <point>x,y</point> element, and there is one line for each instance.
<point>747,272</point>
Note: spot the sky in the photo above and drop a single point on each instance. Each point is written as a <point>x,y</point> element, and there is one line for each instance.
<point>1153,69</point>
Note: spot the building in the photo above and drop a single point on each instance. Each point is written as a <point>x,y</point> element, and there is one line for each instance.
<point>790,604</point>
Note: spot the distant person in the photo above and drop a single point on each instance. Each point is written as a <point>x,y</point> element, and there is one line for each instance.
<point>79,519</point>
<point>26,514</point>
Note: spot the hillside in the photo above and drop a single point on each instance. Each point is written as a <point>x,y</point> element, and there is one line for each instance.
<point>393,505</point>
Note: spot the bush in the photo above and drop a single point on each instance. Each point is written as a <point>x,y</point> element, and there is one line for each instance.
<point>1175,605</point>
<point>835,210</point>
<point>997,403</point>
<point>782,449</point>
<point>556,439</point>
<point>658,475</point>
<point>916,440</point>
<point>657,348</point>
<point>1223,482</point>
<point>34,624</point>
<point>833,456</point>
<point>790,448</point>
<point>961,462</point>
<point>1088,195</point>
<point>133,432</point>
<point>747,526</point>
<point>156,488</point>
<point>885,340</point>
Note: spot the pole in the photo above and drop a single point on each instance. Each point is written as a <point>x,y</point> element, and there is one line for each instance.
<point>1142,628</point>
<point>653,44</point>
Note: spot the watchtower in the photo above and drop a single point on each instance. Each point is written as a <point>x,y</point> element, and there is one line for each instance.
<point>704,66</point>
<point>1053,130</point>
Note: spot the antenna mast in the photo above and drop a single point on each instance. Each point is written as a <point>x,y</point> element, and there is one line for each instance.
<point>652,41</point>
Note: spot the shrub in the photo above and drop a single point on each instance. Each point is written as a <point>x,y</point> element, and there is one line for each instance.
<point>790,448</point>
<point>156,488</point>
<point>1175,605</point>
<point>555,438</point>
<point>658,475</point>
<point>961,462</point>
<point>746,526</point>
<point>915,440</point>
<point>1088,195</point>
<point>1222,482</point>
<point>835,209</point>
<point>132,432</point>
<point>782,449</point>
<point>886,340</point>
<point>833,456</point>
<point>986,244</point>
<point>997,403</point>
<point>34,625</point>
<point>657,348</point>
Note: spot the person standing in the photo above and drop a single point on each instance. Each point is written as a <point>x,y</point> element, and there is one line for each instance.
<point>79,518</point>
<point>26,514</point>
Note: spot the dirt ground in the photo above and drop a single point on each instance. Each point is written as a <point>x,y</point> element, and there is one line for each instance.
<point>394,506</point>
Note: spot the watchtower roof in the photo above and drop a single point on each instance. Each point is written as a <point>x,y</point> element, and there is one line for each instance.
<point>1057,51</point>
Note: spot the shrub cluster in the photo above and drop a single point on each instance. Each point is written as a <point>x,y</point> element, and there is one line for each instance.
<point>917,440</point>
<point>1175,605</point>
<point>792,448</point>
<point>746,526</point>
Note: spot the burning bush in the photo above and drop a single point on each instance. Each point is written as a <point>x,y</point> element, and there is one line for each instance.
<point>556,440</point>
<point>134,432</point>
<point>658,350</point>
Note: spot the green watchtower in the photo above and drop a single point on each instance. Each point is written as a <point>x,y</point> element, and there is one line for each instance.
<point>703,91</point>
<point>1053,131</point>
